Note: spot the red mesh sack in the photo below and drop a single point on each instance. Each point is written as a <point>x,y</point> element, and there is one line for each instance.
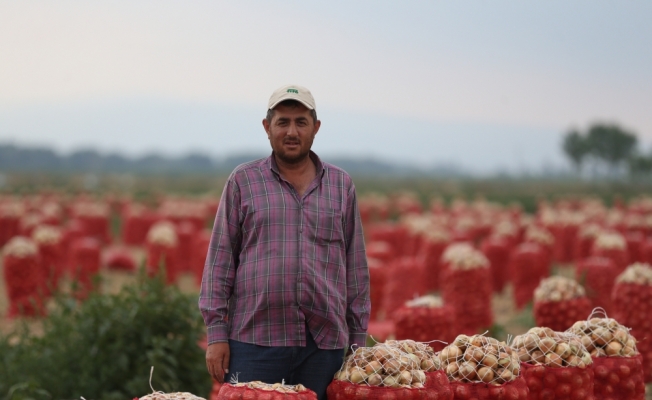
<point>389,233</point>
<point>377,280</point>
<point>22,275</point>
<point>515,390</point>
<point>582,248</point>
<point>558,383</point>
<point>161,256</point>
<point>631,299</point>
<point>48,240</point>
<point>559,302</point>
<point>616,362</point>
<point>432,248</point>
<point>396,369</point>
<point>555,365</point>
<point>85,264</point>
<point>468,287</point>
<point>560,315</point>
<point>597,275</point>
<point>614,246</point>
<point>619,378</point>
<point>8,226</point>
<point>120,258</point>
<point>136,223</point>
<point>527,268</point>
<point>497,250</point>
<point>255,391</point>
<point>404,281</point>
<point>186,234</point>
<point>380,251</point>
<point>73,231</point>
<point>635,246</point>
<point>425,319</point>
<point>480,367</point>
<point>343,390</point>
<point>162,250</point>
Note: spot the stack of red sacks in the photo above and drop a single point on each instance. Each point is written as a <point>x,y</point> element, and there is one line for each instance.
<point>559,302</point>
<point>468,287</point>
<point>631,299</point>
<point>163,250</point>
<point>22,275</point>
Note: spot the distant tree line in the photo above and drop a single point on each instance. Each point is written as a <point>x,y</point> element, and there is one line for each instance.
<point>606,150</point>
<point>22,159</point>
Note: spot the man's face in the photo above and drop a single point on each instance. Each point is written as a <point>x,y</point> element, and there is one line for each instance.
<point>291,132</point>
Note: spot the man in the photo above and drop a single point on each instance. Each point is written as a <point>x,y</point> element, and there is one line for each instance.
<point>285,288</point>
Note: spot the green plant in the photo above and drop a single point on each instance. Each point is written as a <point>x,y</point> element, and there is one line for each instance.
<point>103,348</point>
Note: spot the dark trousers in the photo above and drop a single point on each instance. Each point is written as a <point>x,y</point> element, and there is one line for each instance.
<point>310,366</point>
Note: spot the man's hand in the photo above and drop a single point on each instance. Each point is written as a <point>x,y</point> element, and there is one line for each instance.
<point>217,360</point>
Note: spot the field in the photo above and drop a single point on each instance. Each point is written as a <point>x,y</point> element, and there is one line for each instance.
<point>394,211</point>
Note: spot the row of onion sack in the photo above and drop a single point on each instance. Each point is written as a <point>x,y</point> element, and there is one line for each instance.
<point>523,261</point>
<point>34,266</point>
<point>558,303</point>
<point>594,359</point>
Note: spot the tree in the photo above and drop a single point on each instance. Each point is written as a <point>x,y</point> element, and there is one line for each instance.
<point>611,144</point>
<point>576,148</point>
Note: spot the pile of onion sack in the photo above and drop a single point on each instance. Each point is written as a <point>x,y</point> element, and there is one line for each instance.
<point>559,302</point>
<point>257,390</point>
<point>631,299</point>
<point>468,287</point>
<point>616,362</point>
<point>394,370</point>
<point>23,277</point>
<point>163,249</point>
<point>555,365</point>
<point>424,319</point>
<point>480,367</point>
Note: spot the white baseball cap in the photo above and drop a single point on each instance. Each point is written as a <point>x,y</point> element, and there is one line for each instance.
<point>292,92</point>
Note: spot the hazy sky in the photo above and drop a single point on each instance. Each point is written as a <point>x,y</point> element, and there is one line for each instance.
<point>482,84</point>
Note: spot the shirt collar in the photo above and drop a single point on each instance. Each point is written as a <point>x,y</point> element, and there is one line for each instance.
<point>319,166</point>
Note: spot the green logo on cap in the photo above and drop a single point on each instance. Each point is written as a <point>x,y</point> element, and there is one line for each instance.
<point>293,91</point>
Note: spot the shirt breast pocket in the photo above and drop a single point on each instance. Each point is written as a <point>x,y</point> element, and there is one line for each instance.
<point>328,228</point>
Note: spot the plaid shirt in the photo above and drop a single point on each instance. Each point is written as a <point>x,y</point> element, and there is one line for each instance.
<point>278,263</point>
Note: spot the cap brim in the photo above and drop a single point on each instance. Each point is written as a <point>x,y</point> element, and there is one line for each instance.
<point>308,106</point>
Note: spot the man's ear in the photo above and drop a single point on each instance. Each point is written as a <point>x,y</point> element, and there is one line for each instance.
<point>266,126</point>
<point>317,126</point>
